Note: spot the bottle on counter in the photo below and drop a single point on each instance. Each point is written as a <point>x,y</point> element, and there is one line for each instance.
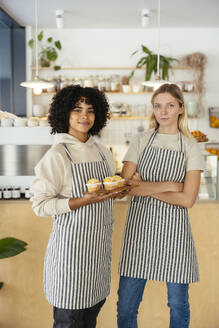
<point>27,192</point>
<point>7,192</point>
<point>16,192</point>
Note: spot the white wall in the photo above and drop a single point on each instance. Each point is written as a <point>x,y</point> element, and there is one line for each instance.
<point>113,47</point>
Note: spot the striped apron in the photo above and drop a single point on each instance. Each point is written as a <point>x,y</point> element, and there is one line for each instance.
<point>78,257</point>
<point>158,242</point>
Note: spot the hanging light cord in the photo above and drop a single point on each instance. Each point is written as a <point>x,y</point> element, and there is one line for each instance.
<point>36,41</point>
<point>158,46</point>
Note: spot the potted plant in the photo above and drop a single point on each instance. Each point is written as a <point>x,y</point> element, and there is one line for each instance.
<point>149,60</point>
<point>49,51</point>
<point>10,247</point>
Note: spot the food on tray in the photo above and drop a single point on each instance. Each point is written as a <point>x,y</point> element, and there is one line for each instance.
<point>199,136</point>
<point>110,183</point>
<point>120,181</point>
<point>93,185</point>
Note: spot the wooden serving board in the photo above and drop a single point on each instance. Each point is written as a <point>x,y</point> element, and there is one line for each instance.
<point>116,190</point>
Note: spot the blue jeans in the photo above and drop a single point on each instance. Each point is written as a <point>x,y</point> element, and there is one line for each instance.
<point>130,295</point>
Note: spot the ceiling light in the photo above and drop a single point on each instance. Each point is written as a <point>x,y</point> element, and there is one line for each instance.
<point>36,83</point>
<point>157,81</point>
<point>59,18</point>
<point>145,17</point>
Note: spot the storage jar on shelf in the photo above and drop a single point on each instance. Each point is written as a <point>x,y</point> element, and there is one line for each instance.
<point>214,117</point>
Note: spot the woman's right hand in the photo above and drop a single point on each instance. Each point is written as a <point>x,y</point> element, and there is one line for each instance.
<point>93,197</point>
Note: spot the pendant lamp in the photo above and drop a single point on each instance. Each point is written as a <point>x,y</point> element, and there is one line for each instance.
<point>37,84</point>
<point>157,82</point>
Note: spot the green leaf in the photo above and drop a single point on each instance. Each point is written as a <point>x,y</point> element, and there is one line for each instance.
<point>135,52</point>
<point>57,68</point>
<point>145,49</point>
<point>31,43</point>
<point>165,70</point>
<point>50,40</point>
<point>1,284</point>
<point>151,66</point>
<point>51,54</point>
<point>141,62</point>
<point>58,45</point>
<point>11,246</point>
<point>40,36</point>
<point>131,74</point>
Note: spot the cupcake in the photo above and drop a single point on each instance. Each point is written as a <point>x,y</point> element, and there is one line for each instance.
<point>110,183</point>
<point>120,181</point>
<point>93,185</point>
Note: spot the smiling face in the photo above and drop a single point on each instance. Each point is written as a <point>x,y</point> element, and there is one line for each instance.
<point>166,110</point>
<point>81,120</point>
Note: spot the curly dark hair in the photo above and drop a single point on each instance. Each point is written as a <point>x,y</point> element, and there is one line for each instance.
<point>64,102</point>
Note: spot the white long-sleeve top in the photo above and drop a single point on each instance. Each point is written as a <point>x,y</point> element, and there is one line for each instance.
<point>52,185</point>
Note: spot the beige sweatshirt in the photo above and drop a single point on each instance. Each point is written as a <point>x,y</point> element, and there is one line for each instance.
<point>52,185</point>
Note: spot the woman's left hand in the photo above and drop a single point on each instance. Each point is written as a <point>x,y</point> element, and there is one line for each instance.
<point>137,177</point>
<point>136,180</point>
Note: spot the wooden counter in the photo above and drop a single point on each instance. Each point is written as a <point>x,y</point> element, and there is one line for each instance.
<point>22,302</point>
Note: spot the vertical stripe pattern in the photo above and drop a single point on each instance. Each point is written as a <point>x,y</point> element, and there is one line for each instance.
<point>78,257</point>
<point>158,242</point>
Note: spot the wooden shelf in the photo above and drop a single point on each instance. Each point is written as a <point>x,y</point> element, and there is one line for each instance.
<point>116,93</point>
<point>104,68</point>
<point>130,117</point>
<point>111,93</point>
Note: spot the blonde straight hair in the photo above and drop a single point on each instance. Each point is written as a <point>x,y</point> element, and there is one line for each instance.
<point>175,92</point>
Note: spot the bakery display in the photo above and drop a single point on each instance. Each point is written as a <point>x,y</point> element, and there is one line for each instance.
<point>199,136</point>
<point>120,181</point>
<point>93,185</point>
<point>110,183</point>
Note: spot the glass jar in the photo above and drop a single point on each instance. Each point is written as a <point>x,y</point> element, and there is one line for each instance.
<point>57,83</point>
<point>88,82</point>
<point>7,192</point>
<point>52,87</point>
<point>115,83</point>
<point>27,192</point>
<point>63,83</point>
<point>101,84</point>
<point>16,192</point>
<point>78,81</point>
<point>107,84</point>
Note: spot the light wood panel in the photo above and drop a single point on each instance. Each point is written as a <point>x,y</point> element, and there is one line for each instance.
<point>22,302</point>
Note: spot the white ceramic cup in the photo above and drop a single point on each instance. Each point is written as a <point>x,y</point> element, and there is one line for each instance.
<point>38,110</point>
<point>19,122</point>
<point>136,88</point>
<point>6,122</point>
<point>32,123</point>
<point>126,88</point>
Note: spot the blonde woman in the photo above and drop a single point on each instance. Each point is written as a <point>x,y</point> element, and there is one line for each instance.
<point>158,242</point>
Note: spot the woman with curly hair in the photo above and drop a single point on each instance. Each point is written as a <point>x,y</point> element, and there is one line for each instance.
<point>78,256</point>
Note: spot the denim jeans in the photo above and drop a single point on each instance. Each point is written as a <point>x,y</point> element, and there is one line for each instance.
<point>84,318</point>
<point>130,295</point>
